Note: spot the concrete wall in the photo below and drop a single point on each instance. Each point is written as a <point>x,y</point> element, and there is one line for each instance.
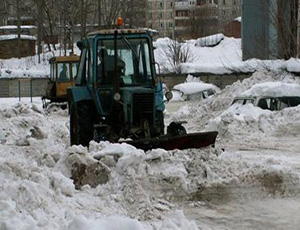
<point>23,87</point>
<point>219,80</point>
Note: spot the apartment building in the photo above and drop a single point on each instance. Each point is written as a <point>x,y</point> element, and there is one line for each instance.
<point>183,18</point>
<point>195,18</point>
<point>228,10</point>
<point>160,17</point>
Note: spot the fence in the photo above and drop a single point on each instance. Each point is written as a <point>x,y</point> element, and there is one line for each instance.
<point>22,87</point>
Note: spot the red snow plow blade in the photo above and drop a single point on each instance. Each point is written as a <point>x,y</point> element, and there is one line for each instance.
<point>187,141</point>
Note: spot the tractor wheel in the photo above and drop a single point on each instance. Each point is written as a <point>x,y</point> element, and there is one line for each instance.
<point>159,122</point>
<point>81,123</point>
<point>175,129</point>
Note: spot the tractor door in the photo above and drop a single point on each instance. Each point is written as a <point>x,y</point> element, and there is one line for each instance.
<point>65,75</point>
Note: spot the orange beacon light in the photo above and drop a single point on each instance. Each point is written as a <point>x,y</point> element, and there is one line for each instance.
<point>120,21</point>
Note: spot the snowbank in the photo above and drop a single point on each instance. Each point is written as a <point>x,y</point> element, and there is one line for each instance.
<point>142,190</point>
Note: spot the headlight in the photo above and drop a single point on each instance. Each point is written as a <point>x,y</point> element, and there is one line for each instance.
<point>169,95</point>
<point>117,97</point>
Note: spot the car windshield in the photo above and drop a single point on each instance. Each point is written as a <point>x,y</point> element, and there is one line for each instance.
<point>133,61</point>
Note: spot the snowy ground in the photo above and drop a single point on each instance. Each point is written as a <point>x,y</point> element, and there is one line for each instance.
<point>251,180</point>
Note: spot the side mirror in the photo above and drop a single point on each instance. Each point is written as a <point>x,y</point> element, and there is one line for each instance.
<point>169,95</point>
<point>158,67</point>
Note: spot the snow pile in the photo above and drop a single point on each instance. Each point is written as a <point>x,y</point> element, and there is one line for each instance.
<point>293,65</point>
<point>37,177</point>
<point>50,185</point>
<point>216,113</point>
<point>46,184</point>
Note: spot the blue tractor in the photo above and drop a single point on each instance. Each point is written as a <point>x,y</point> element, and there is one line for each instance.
<point>118,97</point>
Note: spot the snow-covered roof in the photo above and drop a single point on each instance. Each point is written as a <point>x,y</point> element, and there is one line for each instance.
<point>210,40</point>
<point>239,19</point>
<point>193,87</point>
<point>12,27</point>
<point>15,36</point>
<point>273,89</point>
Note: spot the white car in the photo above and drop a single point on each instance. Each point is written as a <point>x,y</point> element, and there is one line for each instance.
<point>271,95</point>
<point>193,91</point>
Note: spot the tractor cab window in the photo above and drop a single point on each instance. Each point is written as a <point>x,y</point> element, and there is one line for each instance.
<point>74,69</point>
<point>133,61</point>
<point>63,72</point>
<point>52,72</point>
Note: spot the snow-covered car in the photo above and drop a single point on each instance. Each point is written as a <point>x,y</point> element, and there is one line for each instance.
<point>271,95</point>
<point>193,91</point>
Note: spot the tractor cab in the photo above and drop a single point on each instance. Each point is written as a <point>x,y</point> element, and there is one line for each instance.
<point>62,75</point>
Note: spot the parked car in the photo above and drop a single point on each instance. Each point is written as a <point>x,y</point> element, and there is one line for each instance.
<point>193,91</point>
<point>271,96</point>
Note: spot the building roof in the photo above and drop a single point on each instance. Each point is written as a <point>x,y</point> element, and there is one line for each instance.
<point>15,36</point>
<point>14,27</point>
<point>120,31</point>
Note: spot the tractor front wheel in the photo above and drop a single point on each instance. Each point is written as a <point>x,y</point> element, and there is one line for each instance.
<point>81,123</point>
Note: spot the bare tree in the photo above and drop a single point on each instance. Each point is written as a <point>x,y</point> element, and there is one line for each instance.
<point>4,11</point>
<point>110,10</point>
<point>134,11</point>
<point>203,21</point>
<point>283,18</point>
<point>176,54</point>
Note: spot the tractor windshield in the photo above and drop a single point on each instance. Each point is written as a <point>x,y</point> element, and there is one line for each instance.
<point>133,61</point>
<point>64,74</point>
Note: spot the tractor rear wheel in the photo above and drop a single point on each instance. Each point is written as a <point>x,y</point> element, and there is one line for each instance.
<point>81,123</point>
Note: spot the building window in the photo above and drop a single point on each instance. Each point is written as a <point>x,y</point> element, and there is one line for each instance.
<point>161,25</point>
<point>161,4</point>
<point>170,25</point>
<point>160,15</point>
<point>224,2</point>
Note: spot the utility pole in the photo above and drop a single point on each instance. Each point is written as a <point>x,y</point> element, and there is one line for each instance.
<point>99,14</point>
<point>40,27</point>
<point>19,28</point>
